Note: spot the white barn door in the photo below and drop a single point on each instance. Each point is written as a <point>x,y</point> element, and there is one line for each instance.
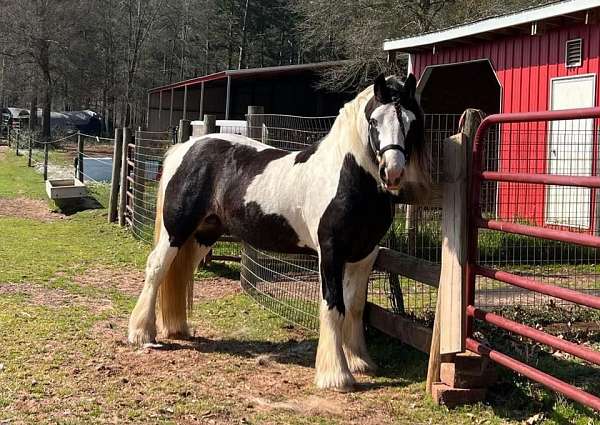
<point>570,152</point>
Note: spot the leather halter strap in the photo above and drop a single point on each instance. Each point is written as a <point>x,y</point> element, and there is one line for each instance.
<point>379,152</point>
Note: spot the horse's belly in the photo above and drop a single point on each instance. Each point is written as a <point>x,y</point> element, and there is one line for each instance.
<point>271,232</point>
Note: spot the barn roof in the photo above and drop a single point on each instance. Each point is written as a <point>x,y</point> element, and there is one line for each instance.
<point>555,13</point>
<point>251,73</point>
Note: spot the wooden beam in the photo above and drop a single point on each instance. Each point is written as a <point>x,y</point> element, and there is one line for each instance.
<point>159,124</point>
<point>171,108</point>
<point>185,97</point>
<point>228,97</point>
<point>395,262</point>
<point>201,112</point>
<point>406,330</point>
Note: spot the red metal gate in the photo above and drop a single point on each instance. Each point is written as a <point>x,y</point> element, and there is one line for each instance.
<point>474,268</point>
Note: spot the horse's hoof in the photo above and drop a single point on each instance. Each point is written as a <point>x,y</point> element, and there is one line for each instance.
<point>362,366</point>
<point>344,389</point>
<point>141,337</point>
<point>181,334</point>
<point>340,382</point>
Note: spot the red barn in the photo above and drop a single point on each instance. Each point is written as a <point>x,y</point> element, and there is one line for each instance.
<point>545,58</point>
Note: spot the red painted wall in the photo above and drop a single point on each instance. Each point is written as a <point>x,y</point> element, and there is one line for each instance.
<point>524,66</point>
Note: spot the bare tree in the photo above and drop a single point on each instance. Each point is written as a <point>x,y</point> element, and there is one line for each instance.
<point>141,16</point>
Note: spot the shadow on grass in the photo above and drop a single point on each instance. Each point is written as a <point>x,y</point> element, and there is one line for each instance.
<point>72,206</point>
<point>399,365</point>
<point>222,269</point>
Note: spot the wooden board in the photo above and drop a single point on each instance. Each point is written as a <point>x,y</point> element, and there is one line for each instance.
<point>406,330</point>
<point>392,261</point>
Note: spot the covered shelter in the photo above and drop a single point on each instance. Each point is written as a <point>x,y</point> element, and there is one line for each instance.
<point>290,89</point>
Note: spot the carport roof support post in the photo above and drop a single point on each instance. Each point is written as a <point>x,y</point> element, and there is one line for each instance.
<point>227,99</point>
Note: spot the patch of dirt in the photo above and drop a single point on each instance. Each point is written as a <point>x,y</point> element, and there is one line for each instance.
<point>235,373</point>
<point>3,150</point>
<point>54,297</point>
<point>35,209</point>
<point>312,405</point>
<point>131,281</point>
<point>215,288</point>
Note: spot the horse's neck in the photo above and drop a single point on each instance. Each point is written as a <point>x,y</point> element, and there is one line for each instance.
<point>348,135</point>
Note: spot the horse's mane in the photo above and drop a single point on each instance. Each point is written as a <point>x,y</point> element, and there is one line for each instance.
<point>349,126</point>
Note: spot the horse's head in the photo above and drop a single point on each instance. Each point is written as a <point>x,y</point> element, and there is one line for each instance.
<point>396,132</point>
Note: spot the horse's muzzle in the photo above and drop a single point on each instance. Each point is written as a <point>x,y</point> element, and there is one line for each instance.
<point>392,172</point>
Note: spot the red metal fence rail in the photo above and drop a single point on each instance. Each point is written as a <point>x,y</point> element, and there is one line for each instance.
<point>477,221</point>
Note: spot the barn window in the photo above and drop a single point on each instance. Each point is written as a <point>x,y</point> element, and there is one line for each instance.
<point>573,54</point>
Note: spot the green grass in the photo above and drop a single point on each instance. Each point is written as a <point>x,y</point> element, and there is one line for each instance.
<point>35,251</point>
<point>16,180</point>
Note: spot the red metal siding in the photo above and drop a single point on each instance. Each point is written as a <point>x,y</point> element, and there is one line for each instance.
<point>525,65</point>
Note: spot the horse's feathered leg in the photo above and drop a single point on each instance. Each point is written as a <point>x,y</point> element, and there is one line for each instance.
<point>356,279</point>
<point>331,365</point>
<point>176,293</point>
<point>142,323</point>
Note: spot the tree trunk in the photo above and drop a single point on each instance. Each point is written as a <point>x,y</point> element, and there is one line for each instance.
<point>280,62</point>
<point>33,102</point>
<point>47,102</point>
<point>242,59</point>
<point>2,68</point>
<point>230,42</point>
<point>47,105</point>
<point>33,110</point>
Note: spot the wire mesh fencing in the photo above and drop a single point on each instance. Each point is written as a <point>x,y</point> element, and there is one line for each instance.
<point>287,285</point>
<point>288,132</point>
<point>567,148</point>
<point>145,157</point>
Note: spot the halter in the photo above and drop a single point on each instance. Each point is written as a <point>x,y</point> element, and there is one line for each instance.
<point>379,152</point>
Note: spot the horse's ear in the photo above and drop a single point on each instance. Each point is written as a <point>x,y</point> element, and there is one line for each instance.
<point>410,85</point>
<point>382,92</point>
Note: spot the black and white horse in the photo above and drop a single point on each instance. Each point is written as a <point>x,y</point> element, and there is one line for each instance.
<point>334,198</point>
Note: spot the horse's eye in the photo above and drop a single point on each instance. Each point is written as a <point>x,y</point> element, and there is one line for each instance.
<point>373,122</point>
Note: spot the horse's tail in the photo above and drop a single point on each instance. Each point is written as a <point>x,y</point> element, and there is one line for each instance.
<point>175,293</point>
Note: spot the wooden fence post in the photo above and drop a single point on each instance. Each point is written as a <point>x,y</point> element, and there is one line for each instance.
<point>79,157</point>
<point>210,124</point>
<point>254,122</point>
<point>185,131</point>
<point>29,150</point>
<point>449,326</point>
<point>46,144</point>
<point>113,202</point>
<point>124,174</point>
<point>449,332</point>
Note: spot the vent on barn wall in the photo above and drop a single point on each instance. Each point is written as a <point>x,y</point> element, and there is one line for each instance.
<point>574,53</point>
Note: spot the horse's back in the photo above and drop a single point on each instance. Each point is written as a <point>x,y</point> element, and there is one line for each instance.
<point>210,180</point>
